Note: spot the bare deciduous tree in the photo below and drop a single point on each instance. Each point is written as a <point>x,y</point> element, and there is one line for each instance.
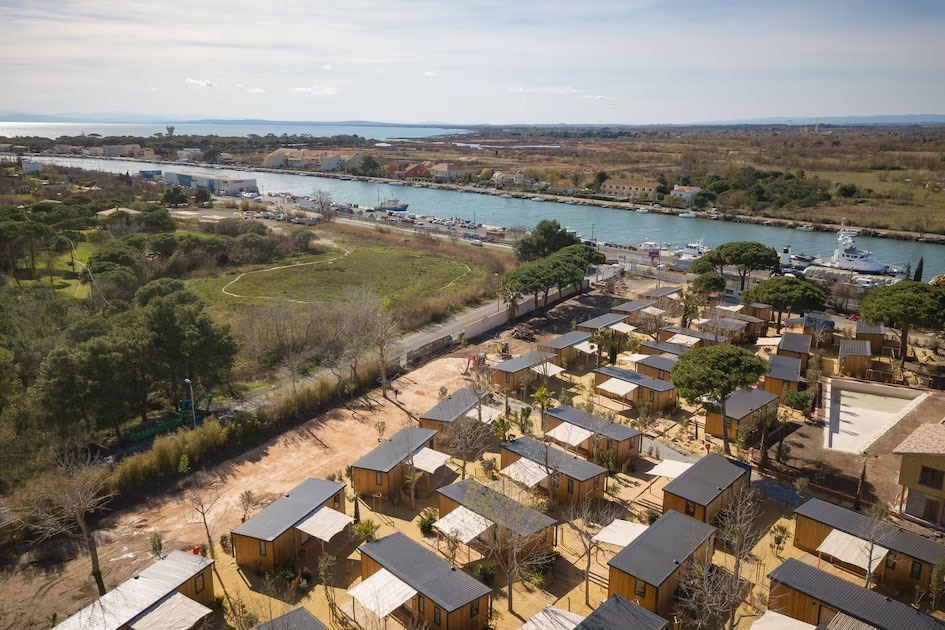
<point>586,518</point>
<point>468,439</point>
<point>201,497</point>
<point>61,502</point>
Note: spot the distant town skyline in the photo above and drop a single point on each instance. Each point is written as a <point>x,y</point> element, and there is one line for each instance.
<point>489,62</point>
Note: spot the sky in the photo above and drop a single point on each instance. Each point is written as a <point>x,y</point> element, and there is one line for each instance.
<point>473,61</point>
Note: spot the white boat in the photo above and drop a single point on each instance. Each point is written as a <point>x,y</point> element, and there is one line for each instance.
<point>849,257</point>
<point>687,215</point>
<point>537,199</point>
<point>692,250</point>
<point>395,183</point>
<point>643,210</point>
<point>506,196</point>
<point>805,228</point>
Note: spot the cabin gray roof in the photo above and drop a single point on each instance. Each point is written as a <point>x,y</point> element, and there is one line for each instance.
<point>707,479</point>
<point>895,538</point>
<point>454,406</point>
<point>795,342</point>
<point>564,462</point>
<point>868,606</point>
<point>578,418</point>
<point>665,347</point>
<point>498,508</point>
<point>632,306</point>
<point>298,619</point>
<point>665,361</point>
<point>865,328</point>
<point>725,324</point>
<point>662,547</point>
<point>424,571</point>
<point>293,507</point>
<point>394,451</point>
<point>698,334</point>
<point>618,613</point>
<point>565,341</point>
<point>523,362</point>
<point>636,378</point>
<point>818,319</point>
<point>603,321</point>
<point>855,348</point>
<point>758,305</point>
<point>727,314</point>
<point>747,401</point>
<point>784,368</point>
<point>660,292</point>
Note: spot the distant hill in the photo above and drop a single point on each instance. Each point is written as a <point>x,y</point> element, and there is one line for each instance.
<point>883,119</point>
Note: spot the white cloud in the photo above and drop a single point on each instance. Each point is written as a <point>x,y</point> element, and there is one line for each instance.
<point>250,90</point>
<point>545,90</point>
<point>431,74</point>
<point>154,88</point>
<point>326,68</point>
<point>597,97</point>
<point>206,83</point>
<point>316,89</point>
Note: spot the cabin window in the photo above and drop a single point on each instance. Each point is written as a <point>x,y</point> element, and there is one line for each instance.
<point>474,609</point>
<point>640,588</point>
<point>262,547</point>
<point>419,603</point>
<point>436,615</point>
<point>570,486</point>
<point>337,500</point>
<point>931,478</point>
<point>378,480</point>
<point>890,560</point>
<point>508,377</point>
<point>652,395</point>
<point>199,584</point>
<point>916,571</point>
<point>690,508</point>
<point>597,482</point>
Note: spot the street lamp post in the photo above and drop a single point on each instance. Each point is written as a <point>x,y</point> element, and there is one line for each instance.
<point>498,295</point>
<point>193,407</point>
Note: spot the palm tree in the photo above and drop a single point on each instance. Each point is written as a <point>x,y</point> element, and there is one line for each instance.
<point>367,530</point>
<point>542,398</point>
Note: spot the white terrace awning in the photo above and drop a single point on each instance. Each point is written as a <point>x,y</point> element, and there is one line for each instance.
<point>429,460</point>
<point>382,593</point>
<point>683,340</point>
<point>616,386</point>
<point>653,311</point>
<point>669,468</point>
<point>768,341</point>
<point>177,612</point>
<point>620,533</point>
<point>552,618</point>
<point>569,434</point>
<point>547,369</point>
<point>852,550</point>
<point>489,414</point>
<point>526,472</point>
<point>776,621</point>
<point>586,347</point>
<point>463,523</point>
<point>325,523</point>
<point>622,327</point>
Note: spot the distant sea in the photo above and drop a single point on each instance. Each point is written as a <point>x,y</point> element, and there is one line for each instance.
<point>377,132</point>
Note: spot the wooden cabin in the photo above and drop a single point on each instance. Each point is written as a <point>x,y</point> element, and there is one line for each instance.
<point>760,310</point>
<point>633,388</point>
<point>455,406</point>
<point>783,375</point>
<point>522,371</point>
<point>614,444</point>
<point>177,588</point>
<point>873,333</point>
<point>567,477</point>
<point>658,366</point>
<point>725,329</point>
<point>275,535</point>
<point>795,345</point>
<point>744,408</point>
<point>502,516</point>
<point>648,570</point>
<point>619,613</point>
<point>922,473</point>
<point>298,619</point>
<point>433,592</point>
<point>901,559</point>
<point>614,322</point>
<point>382,471</point>
<point>754,326</point>
<point>666,298</point>
<point>855,357</point>
<point>702,491</point>
<point>819,327</point>
<point>662,347</point>
<point>628,309</point>
<point>564,346</point>
<point>808,594</point>
<point>689,337</point>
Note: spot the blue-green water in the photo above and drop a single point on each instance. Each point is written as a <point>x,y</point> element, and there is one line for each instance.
<point>606,224</point>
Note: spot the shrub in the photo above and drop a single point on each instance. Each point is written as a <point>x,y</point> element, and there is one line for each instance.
<point>651,517</point>
<point>427,518</point>
<point>225,543</point>
<point>485,572</point>
<point>798,400</point>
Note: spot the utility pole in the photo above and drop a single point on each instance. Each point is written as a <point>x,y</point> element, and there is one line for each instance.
<point>193,407</point>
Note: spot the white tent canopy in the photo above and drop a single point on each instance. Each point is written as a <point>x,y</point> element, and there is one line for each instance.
<point>622,327</point>
<point>324,523</point>
<point>683,340</point>
<point>669,468</point>
<point>547,369</point>
<point>616,386</point>
<point>586,347</point>
<point>382,593</point>
<point>429,460</point>
<point>464,523</point>
<point>768,341</point>
<point>620,533</point>
<point>631,358</point>
<point>852,550</point>
<point>776,621</point>
<point>525,471</point>
<point>552,618</point>
<point>489,414</point>
<point>569,434</point>
<point>653,311</point>
<point>177,612</point>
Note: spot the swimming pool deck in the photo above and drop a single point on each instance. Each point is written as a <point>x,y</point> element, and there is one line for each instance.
<point>856,413</point>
